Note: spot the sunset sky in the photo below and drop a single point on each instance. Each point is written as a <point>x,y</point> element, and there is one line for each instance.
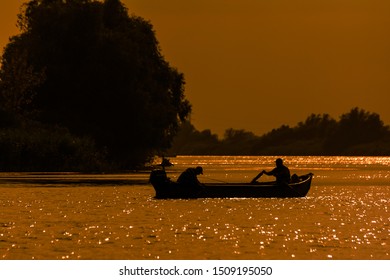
<point>258,64</point>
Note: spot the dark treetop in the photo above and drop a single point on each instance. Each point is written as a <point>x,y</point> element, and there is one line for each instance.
<point>89,67</point>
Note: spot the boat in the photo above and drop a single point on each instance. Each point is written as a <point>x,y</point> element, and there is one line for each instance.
<point>166,188</point>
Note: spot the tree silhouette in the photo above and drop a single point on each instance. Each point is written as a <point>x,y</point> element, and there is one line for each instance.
<point>357,133</point>
<point>238,141</point>
<point>316,127</point>
<point>191,141</point>
<point>97,71</point>
<point>354,128</point>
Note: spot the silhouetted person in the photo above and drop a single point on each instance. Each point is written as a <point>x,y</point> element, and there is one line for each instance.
<point>165,162</point>
<point>295,178</point>
<point>280,172</point>
<point>189,178</point>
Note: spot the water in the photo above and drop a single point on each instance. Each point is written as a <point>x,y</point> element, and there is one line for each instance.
<point>346,214</point>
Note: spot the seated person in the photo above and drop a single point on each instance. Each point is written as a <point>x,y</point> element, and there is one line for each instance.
<point>280,172</point>
<point>295,178</point>
<point>189,178</point>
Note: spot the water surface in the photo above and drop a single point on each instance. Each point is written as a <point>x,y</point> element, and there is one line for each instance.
<point>72,216</point>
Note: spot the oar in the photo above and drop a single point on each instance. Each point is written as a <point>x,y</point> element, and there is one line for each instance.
<point>257,177</point>
<point>216,180</point>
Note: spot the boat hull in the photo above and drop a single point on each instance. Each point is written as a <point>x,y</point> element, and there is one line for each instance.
<point>165,188</point>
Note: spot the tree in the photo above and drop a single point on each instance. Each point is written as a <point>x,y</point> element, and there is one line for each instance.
<point>98,72</point>
<point>191,141</point>
<point>18,79</point>
<point>316,127</point>
<point>238,141</point>
<point>355,128</point>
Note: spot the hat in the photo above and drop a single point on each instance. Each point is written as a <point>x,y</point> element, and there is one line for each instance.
<point>199,169</point>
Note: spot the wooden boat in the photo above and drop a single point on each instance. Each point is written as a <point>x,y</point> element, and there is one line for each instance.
<point>165,188</point>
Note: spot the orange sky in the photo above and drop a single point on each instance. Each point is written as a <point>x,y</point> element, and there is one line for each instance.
<point>258,64</point>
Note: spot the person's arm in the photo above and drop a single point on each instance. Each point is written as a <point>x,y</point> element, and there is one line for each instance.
<point>273,172</point>
<point>257,177</point>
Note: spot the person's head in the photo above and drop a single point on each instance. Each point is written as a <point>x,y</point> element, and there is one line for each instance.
<point>294,178</point>
<point>199,170</point>
<point>279,162</point>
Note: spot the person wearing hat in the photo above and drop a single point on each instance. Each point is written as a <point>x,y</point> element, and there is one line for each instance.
<point>280,172</point>
<point>189,178</point>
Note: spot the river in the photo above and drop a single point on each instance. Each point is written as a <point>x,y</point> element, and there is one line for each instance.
<point>346,215</point>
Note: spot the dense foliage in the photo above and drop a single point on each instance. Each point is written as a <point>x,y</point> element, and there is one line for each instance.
<point>84,86</point>
<point>358,132</point>
<point>90,68</point>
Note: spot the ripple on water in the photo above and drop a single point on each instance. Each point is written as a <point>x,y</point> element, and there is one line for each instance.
<point>345,216</point>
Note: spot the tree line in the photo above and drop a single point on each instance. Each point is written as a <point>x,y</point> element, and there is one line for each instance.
<point>85,87</point>
<point>357,132</point>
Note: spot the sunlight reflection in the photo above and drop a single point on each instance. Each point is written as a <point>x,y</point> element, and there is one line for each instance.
<point>346,215</point>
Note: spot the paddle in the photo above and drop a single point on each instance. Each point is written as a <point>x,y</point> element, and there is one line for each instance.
<point>216,180</point>
<point>257,177</point>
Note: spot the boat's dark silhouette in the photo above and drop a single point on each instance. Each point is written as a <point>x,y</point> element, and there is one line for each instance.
<point>166,188</point>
